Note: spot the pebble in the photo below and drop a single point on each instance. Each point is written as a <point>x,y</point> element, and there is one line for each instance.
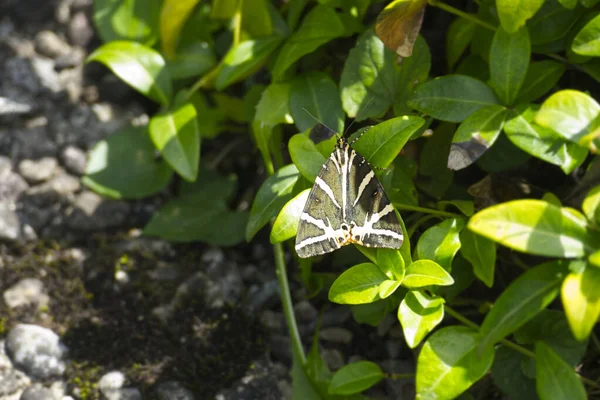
<point>46,74</point>
<point>92,212</point>
<point>333,358</point>
<point>11,184</point>
<point>10,226</point>
<point>305,311</point>
<point>13,107</point>
<point>80,30</point>
<point>74,159</point>
<point>47,43</point>
<point>336,335</point>
<point>36,171</point>
<point>37,392</point>
<point>260,382</point>
<point>274,321</point>
<point>25,292</point>
<point>173,390</point>
<point>36,350</point>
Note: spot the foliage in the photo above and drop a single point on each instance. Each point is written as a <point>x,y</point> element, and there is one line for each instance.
<point>503,111</point>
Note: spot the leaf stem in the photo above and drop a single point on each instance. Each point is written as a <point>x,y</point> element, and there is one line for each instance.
<point>424,210</point>
<point>286,302</point>
<point>462,14</point>
<point>512,345</point>
<point>400,376</point>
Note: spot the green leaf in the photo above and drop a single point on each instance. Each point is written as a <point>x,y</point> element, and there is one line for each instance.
<point>534,227</point>
<point>399,24</point>
<point>401,188</point>
<point>587,40</point>
<point>514,13</point>
<point>419,314</point>
<point>452,98</point>
<point>555,378</point>
<point>369,77</point>
<point>509,59</point>
<point>552,24</point>
<point>413,71</point>
<point>458,38</point>
<point>256,18</point>
<point>355,377</point>
<point>357,285</point>
<point>190,60</point>
<point>464,206</point>
<point>127,20</point>
<point>524,298</point>
<point>391,263</point>
<point>175,134</point>
<point>112,171</point>
<point>274,193</point>
<point>541,142</point>
<point>302,387</point>
<point>244,59</point>
<point>572,114</point>
<point>423,273</point>
<point>541,77</point>
<point>381,144</point>
<point>305,156</point>
<point>435,178</point>
<point>594,258</point>
<point>224,9</point>
<point>320,26</point>
<point>441,242</point>
<point>373,313</point>
<point>475,135</point>
<point>481,253</point>
<point>286,224</point>
<point>581,300</point>
<point>508,375</point>
<point>173,16</point>
<point>449,363</point>
<point>387,288</point>
<point>139,66</point>
<point>200,213</point>
<point>315,95</point>
<point>591,205</point>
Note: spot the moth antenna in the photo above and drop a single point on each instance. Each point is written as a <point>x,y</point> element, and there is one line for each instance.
<point>359,136</point>
<point>319,121</point>
<point>358,115</point>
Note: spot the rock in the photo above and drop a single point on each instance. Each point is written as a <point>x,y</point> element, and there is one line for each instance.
<point>336,335</point>
<point>35,171</point>
<point>36,350</point>
<point>403,388</point>
<point>80,30</point>
<point>37,392</point>
<point>19,71</point>
<point>11,184</point>
<point>280,348</point>
<point>111,387</point>
<point>305,311</point>
<point>48,44</point>
<point>262,296</point>
<point>13,107</point>
<point>173,390</point>
<point>333,358</point>
<point>33,143</point>
<point>335,316</point>
<point>259,383</point>
<point>47,76</point>
<point>273,321</point>
<point>12,381</point>
<point>46,196</point>
<point>25,292</point>
<point>74,159</point>
<point>10,226</point>
<point>92,212</point>
<point>63,11</point>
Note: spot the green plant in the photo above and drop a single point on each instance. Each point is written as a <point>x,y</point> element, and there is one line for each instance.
<point>500,107</point>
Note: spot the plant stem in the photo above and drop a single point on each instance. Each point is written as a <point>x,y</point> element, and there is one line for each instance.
<point>460,318</point>
<point>424,210</point>
<point>462,14</point>
<point>400,376</point>
<point>286,302</point>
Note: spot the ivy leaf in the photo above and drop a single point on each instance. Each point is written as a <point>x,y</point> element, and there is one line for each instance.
<point>286,224</point>
<point>399,24</point>
<point>113,172</point>
<point>357,285</point>
<point>535,227</point>
<point>441,242</point>
<point>423,273</point>
<point>315,95</point>
<point>452,98</point>
<point>554,377</point>
<point>355,377</point>
<point>419,314</point>
<point>321,25</point>
<point>128,20</point>
<point>139,66</point>
<point>449,363</point>
<point>509,60</point>
<point>514,13</point>
<point>481,253</point>
<point>524,298</point>
<point>475,135</point>
<point>541,142</point>
<point>175,134</point>
<point>581,300</point>
<point>274,193</point>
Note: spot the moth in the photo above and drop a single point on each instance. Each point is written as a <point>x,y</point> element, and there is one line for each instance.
<point>346,204</point>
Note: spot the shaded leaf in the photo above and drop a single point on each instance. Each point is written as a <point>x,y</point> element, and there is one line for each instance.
<point>419,314</point>
<point>509,60</point>
<point>391,263</point>
<point>139,66</point>
<point>481,253</point>
<point>305,156</point>
<point>413,71</point>
<point>541,77</point>
<point>399,24</point>
<point>452,97</point>
<point>127,20</point>
<point>555,378</point>
<point>458,38</point>
<point>357,285</point>
<point>173,15</point>
<point>191,60</point>
<point>123,166</point>
<point>175,134</point>
<point>524,298</point>
<point>355,377</point>
<point>441,242</point>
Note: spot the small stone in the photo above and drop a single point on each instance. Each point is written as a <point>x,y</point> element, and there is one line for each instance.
<point>280,348</point>
<point>13,107</point>
<point>335,316</point>
<point>273,321</point>
<point>305,311</point>
<point>63,11</point>
<point>36,350</point>
<point>80,30</point>
<point>37,392</point>
<point>10,226</point>
<point>333,358</point>
<point>123,394</point>
<point>48,44</point>
<point>213,256</point>
<point>34,142</point>
<point>74,159</point>
<point>36,171</point>
<point>111,381</point>
<point>92,212</point>
<point>47,76</point>
<point>173,390</point>
<point>25,292</point>
<point>336,335</point>
<point>11,184</point>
